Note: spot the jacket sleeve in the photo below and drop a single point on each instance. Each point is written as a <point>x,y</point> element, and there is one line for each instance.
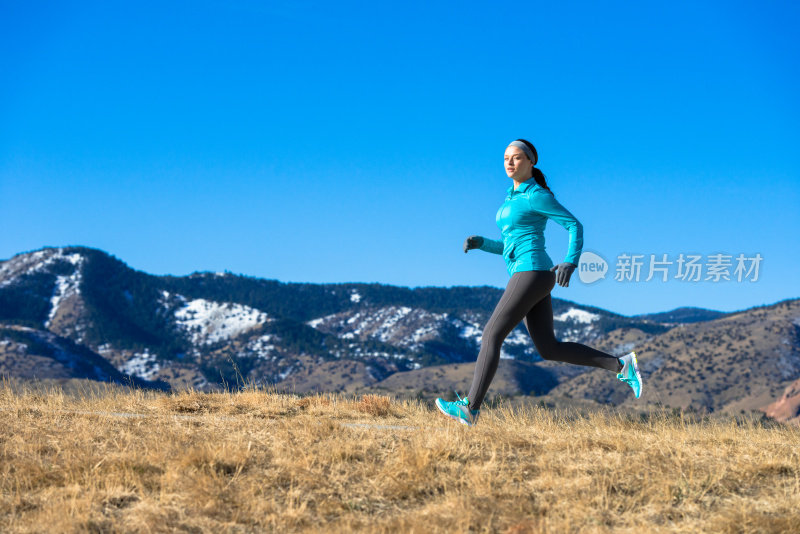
<point>492,245</point>
<point>544,202</point>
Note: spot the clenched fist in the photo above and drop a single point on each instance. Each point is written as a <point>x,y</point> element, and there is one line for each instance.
<point>473,241</point>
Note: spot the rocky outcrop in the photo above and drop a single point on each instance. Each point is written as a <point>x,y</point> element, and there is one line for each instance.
<point>787,408</point>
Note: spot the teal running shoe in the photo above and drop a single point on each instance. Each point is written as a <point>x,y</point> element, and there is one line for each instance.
<point>630,373</point>
<point>458,410</point>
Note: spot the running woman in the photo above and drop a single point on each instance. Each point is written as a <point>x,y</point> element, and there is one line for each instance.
<point>522,219</point>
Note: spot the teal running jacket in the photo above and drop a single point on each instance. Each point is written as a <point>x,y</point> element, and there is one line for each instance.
<point>522,219</point>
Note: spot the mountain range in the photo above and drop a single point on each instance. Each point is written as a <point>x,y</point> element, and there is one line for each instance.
<point>77,312</point>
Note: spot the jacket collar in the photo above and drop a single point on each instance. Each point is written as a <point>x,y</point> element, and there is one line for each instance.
<point>524,186</point>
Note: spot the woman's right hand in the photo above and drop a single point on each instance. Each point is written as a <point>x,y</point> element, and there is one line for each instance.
<point>473,241</point>
<point>563,272</point>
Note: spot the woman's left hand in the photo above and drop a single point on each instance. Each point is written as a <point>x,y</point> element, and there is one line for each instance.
<point>563,272</point>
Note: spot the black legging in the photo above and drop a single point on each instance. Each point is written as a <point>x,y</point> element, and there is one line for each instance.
<point>527,297</point>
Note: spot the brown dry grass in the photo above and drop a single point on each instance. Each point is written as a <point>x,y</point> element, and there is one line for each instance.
<point>258,461</point>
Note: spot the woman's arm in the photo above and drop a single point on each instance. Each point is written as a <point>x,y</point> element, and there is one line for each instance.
<point>482,243</point>
<point>544,202</point>
<point>491,245</point>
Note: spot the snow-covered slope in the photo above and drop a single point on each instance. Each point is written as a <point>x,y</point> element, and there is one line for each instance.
<point>209,322</point>
<point>400,326</point>
<point>577,315</point>
<point>34,262</point>
<point>67,286</point>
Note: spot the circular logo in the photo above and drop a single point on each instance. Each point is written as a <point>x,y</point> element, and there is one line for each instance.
<point>591,268</point>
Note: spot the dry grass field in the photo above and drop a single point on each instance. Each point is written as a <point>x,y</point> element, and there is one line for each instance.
<point>259,461</point>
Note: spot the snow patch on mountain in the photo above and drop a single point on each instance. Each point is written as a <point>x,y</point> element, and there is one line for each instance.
<point>314,323</point>
<point>355,350</point>
<point>422,333</point>
<point>355,296</point>
<point>209,322</point>
<point>577,335</point>
<point>578,316</point>
<point>401,326</point>
<point>387,319</point>
<point>66,286</point>
<point>141,364</point>
<point>516,337</point>
<point>34,262</point>
<point>468,330</point>
<point>261,347</point>
<point>285,373</point>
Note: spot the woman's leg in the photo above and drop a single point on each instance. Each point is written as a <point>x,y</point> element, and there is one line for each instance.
<point>539,322</point>
<point>523,291</point>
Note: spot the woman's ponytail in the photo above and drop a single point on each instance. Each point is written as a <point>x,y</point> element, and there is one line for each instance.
<point>538,175</point>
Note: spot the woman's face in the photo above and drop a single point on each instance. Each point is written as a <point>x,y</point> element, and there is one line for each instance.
<point>518,166</point>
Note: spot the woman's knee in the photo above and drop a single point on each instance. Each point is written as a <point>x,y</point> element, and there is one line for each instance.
<point>492,339</point>
<point>547,350</point>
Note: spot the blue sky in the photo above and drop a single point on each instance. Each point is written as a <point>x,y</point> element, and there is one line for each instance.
<point>362,142</point>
